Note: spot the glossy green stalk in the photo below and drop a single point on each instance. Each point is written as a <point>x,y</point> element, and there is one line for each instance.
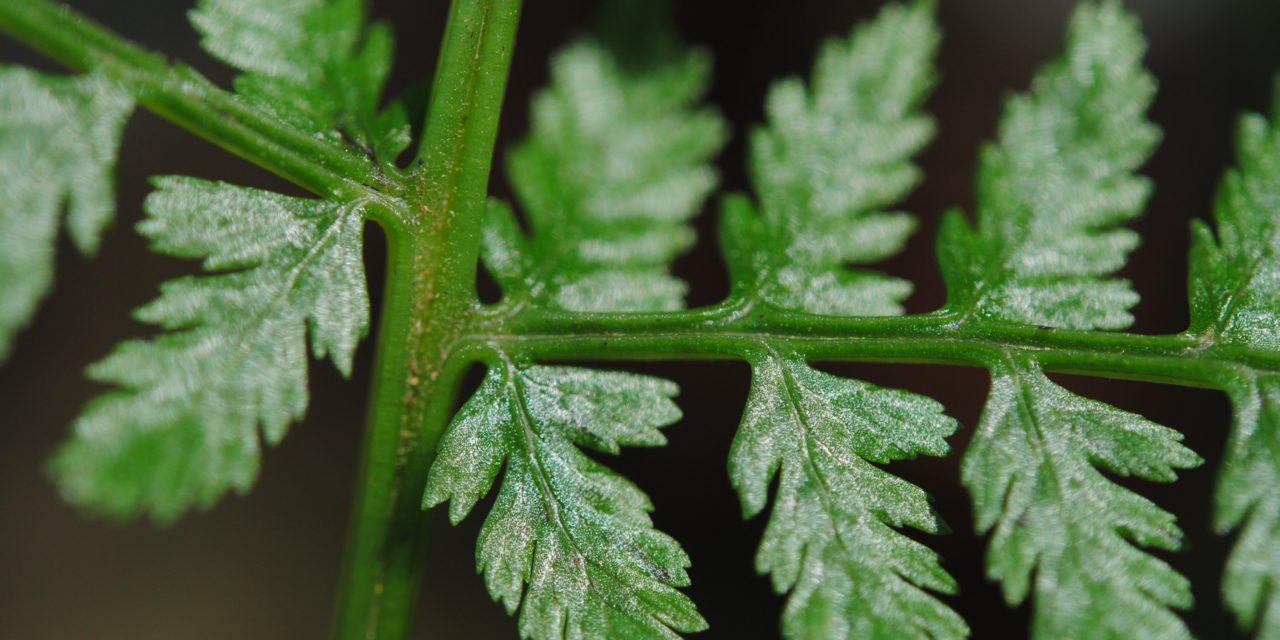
<point>429,303</point>
<point>736,330</point>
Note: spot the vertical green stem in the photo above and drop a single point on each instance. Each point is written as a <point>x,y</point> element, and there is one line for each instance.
<point>430,301</point>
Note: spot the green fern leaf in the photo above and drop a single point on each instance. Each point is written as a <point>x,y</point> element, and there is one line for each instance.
<point>1235,305</point>
<point>182,428</point>
<point>315,64</point>
<point>832,158</point>
<point>1053,189</point>
<point>58,143</point>
<point>1248,498</point>
<point>1058,522</point>
<point>830,540</point>
<point>829,162</point>
<point>1234,283</point>
<point>617,161</point>
<point>568,541</point>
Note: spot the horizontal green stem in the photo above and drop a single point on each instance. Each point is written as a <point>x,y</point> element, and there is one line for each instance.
<point>735,331</point>
<point>180,94</point>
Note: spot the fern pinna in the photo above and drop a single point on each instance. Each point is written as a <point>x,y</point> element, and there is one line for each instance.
<point>617,162</point>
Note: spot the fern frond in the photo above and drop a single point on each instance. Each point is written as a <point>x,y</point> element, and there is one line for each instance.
<point>1060,526</point>
<point>1248,499</point>
<point>1054,188</point>
<point>315,64</point>
<point>1235,305</point>
<point>831,540</point>
<point>58,143</point>
<point>1050,195</point>
<point>832,157</point>
<point>568,542</point>
<point>182,428</point>
<point>616,163</point>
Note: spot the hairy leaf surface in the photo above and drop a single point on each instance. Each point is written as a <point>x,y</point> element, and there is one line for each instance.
<point>568,542</point>
<point>1061,527</point>
<point>1235,280</point>
<point>315,64</point>
<point>832,158</point>
<point>616,163</point>
<point>1235,304</point>
<point>831,540</point>
<point>1248,498</point>
<point>59,138</point>
<point>182,428</point>
<point>1053,189</point>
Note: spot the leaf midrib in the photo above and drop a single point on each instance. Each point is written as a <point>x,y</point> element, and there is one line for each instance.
<point>551,504</point>
<point>797,414</point>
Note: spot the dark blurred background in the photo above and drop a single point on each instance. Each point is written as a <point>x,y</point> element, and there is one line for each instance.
<point>265,565</point>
